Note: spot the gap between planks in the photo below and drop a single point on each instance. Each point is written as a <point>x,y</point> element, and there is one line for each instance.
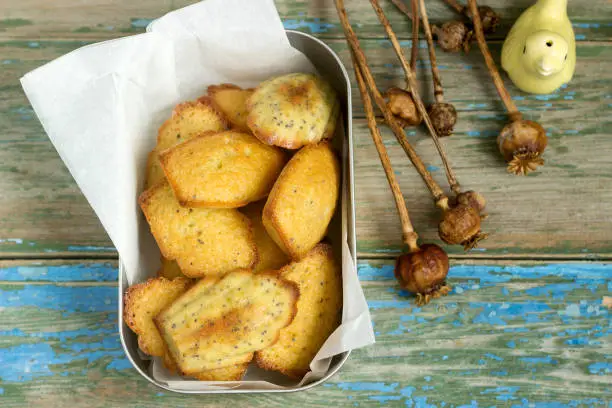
<point>361,257</point>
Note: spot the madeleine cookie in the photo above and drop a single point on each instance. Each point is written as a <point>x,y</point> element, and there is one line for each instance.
<point>203,241</point>
<point>303,200</point>
<point>293,110</point>
<point>142,302</point>
<point>222,170</point>
<point>221,322</point>
<point>319,280</point>
<point>188,120</point>
<point>232,101</point>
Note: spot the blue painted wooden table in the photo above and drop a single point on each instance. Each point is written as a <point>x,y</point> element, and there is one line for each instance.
<point>528,323</point>
<point>517,335</point>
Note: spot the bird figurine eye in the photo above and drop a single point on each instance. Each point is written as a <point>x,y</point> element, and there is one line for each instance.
<point>549,43</point>
<point>565,59</point>
<point>524,49</point>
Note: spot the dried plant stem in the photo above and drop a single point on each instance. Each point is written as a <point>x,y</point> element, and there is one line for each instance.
<point>513,111</point>
<point>414,50</point>
<point>458,7</point>
<point>410,79</point>
<point>401,6</point>
<point>435,72</point>
<point>362,63</point>
<point>409,236</point>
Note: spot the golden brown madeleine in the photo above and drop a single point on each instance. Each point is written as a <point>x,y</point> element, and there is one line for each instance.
<point>222,170</point>
<point>270,256</point>
<point>293,110</point>
<point>230,373</point>
<point>203,241</point>
<point>188,120</point>
<point>319,308</point>
<point>233,372</point>
<point>221,322</point>
<point>142,302</point>
<point>303,200</point>
<point>232,101</point>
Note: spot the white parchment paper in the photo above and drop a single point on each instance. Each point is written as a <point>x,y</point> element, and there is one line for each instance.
<point>102,104</point>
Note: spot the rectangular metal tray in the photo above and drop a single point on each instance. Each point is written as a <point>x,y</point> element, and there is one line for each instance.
<point>330,67</point>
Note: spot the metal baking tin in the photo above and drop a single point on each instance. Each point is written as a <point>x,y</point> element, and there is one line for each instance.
<point>329,66</point>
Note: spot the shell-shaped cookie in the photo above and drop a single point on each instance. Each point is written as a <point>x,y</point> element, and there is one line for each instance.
<point>293,110</point>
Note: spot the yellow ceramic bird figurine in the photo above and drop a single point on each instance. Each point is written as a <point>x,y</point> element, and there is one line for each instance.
<point>539,53</point>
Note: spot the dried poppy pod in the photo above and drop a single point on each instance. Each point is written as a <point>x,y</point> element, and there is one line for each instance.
<point>490,19</point>
<point>472,199</point>
<point>443,117</point>
<point>460,224</point>
<point>402,105</point>
<point>453,36</point>
<point>522,143</point>
<point>423,272</point>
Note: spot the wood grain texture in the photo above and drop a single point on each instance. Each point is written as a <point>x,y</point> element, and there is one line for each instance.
<point>532,334</point>
<point>561,210</point>
<point>104,19</point>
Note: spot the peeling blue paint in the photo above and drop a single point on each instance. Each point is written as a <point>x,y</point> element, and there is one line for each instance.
<point>582,341</point>
<point>90,248</point>
<point>383,399</point>
<point>110,330</point>
<point>585,25</point>
<point>600,368</point>
<point>407,44</point>
<point>539,360</point>
<point>546,97</point>
<point>102,272</point>
<point>580,274</point>
<point>390,304</point>
<point>494,357</point>
<point>26,362</point>
<point>316,26</point>
<point>366,386</point>
<point>495,313</point>
<point>120,364</point>
<point>66,299</point>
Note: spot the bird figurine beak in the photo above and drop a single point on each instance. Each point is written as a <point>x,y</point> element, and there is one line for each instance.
<point>547,66</point>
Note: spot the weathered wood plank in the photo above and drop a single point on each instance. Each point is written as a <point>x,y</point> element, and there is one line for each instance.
<point>523,335</point>
<point>34,19</point>
<point>556,211</point>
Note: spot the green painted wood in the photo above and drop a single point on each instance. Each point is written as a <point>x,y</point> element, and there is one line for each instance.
<point>557,211</point>
<point>36,19</point>
<point>509,334</point>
